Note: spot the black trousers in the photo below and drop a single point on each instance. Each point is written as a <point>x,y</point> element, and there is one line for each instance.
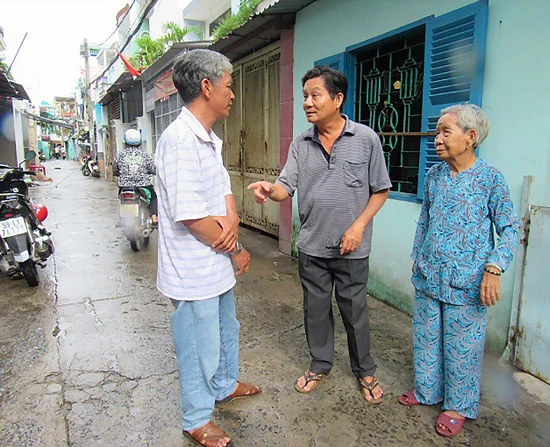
<point>348,278</point>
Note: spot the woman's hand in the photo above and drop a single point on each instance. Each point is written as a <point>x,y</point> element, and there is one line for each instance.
<point>490,289</point>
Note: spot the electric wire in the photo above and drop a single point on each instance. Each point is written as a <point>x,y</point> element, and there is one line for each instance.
<point>118,25</point>
<point>141,19</point>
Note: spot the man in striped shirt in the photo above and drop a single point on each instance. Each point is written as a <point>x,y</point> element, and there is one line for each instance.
<point>338,169</point>
<point>198,252</point>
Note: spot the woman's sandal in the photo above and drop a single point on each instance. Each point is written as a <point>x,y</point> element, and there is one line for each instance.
<point>448,426</point>
<point>369,387</point>
<point>408,399</point>
<point>310,377</point>
<point>208,435</point>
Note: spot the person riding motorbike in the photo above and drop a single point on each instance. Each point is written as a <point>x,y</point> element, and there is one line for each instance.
<point>134,168</point>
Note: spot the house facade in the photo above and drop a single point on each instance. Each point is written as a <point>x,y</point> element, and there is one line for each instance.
<point>118,94</point>
<point>404,65</point>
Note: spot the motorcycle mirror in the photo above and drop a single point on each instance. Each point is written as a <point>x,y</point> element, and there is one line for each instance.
<point>29,156</point>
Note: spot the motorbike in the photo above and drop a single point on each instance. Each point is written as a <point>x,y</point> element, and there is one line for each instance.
<point>89,166</point>
<point>134,216</point>
<point>24,241</point>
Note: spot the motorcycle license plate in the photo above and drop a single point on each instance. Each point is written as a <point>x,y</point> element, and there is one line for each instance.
<point>12,227</point>
<point>131,210</point>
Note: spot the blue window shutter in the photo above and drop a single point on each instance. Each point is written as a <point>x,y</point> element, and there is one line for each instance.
<point>454,62</point>
<point>338,62</point>
<point>335,62</point>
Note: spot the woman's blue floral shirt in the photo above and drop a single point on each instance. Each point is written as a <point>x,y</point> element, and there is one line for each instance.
<point>455,232</point>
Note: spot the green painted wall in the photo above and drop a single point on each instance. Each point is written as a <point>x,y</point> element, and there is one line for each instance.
<point>45,146</point>
<point>71,151</point>
<point>515,97</point>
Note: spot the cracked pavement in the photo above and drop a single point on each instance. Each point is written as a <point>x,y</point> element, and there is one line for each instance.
<point>86,358</point>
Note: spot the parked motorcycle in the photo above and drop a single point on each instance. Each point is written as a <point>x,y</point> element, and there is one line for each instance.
<point>89,166</point>
<point>24,242</point>
<point>134,216</point>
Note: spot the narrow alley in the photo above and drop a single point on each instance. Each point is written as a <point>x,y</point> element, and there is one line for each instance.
<point>86,358</point>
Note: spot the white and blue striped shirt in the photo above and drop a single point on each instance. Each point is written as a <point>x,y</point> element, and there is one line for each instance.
<point>191,184</point>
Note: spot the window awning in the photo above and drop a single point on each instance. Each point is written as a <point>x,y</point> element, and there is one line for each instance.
<point>10,89</point>
<point>167,59</point>
<point>41,119</point>
<point>124,82</point>
<point>261,30</point>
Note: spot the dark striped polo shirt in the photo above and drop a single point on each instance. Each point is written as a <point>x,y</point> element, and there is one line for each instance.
<point>333,192</point>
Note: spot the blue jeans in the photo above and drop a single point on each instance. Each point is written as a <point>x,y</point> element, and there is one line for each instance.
<point>206,340</point>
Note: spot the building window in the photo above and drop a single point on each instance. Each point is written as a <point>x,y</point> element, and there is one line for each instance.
<point>132,104</point>
<point>154,135</point>
<point>400,81</point>
<point>215,23</point>
<point>165,112</point>
<point>388,99</point>
<point>198,25</point>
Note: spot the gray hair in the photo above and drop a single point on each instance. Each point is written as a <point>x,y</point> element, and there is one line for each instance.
<point>470,117</point>
<point>190,69</point>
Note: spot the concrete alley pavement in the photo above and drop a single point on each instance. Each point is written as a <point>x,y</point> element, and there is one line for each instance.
<point>86,358</point>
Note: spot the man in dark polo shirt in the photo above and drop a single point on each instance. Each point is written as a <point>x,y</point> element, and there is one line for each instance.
<point>338,169</point>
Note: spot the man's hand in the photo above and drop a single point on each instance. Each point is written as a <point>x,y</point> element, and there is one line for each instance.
<point>354,235</point>
<point>230,229</point>
<point>262,190</point>
<point>490,289</point>
<point>351,239</point>
<point>241,262</point>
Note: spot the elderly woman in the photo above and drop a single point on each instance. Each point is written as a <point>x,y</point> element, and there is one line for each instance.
<point>457,268</point>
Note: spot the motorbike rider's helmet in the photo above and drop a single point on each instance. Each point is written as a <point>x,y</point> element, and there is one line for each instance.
<point>132,137</point>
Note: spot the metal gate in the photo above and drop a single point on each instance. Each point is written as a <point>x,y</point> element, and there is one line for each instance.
<point>251,135</point>
<point>533,342</point>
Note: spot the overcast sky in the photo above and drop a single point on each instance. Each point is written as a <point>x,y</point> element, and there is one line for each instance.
<point>49,63</point>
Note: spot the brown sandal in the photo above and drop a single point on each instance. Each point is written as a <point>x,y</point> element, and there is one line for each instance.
<point>242,390</point>
<point>369,387</point>
<point>310,377</point>
<point>208,435</point>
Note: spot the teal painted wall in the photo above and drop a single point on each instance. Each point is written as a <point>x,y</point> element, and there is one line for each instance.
<point>71,150</point>
<point>45,148</point>
<point>515,97</point>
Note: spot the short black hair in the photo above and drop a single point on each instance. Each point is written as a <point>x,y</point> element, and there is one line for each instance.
<point>335,81</point>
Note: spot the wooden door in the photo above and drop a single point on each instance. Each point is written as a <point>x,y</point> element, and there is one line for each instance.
<point>251,135</point>
<point>260,136</point>
<point>272,137</point>
<point>232,142</point>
